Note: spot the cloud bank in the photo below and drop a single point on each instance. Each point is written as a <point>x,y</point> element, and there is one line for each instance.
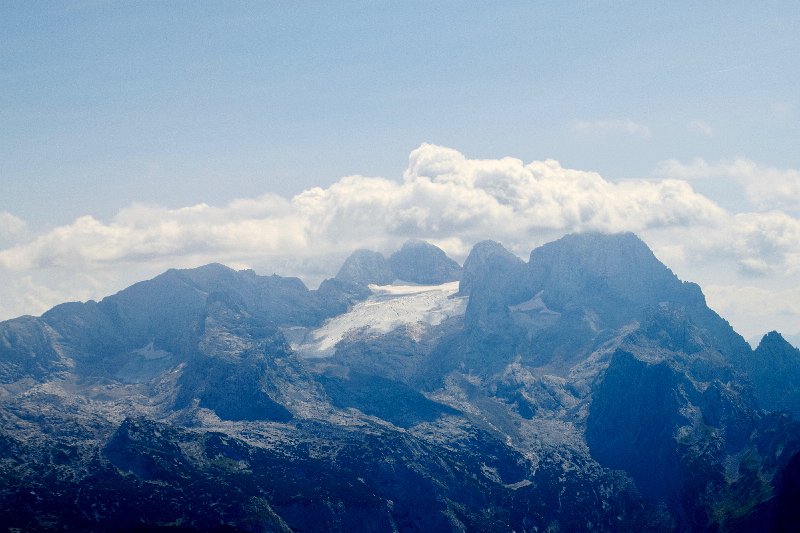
<point>766,187</point>
<point>12,228</point>
<point>443,197</point>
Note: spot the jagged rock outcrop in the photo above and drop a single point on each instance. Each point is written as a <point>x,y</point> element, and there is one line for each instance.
<point>29,347</point>
<point>416,262</point>
<point>774,369</point>
<point>490,266</point>
<point>494,278</point>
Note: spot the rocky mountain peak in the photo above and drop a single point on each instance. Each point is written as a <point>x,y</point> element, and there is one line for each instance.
<point>421,262</point>
<point>486,261</point>
<point>774,369</point>
<point>621,259</point>
<point>206,273</point>
<point>611,274</point>
<point>774,343</point>
<point>618,280</point>
<point>365,267</point>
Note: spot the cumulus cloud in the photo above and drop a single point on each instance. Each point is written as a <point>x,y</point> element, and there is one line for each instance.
<point>12,228</point>
<point>140,233</point>
<point>765,240</point>
<point>602,127</point>
<point>443,194</point>
<point>766,187</point>
<point>756,310</point>
<point>760,243</point>
<point>443,197</point>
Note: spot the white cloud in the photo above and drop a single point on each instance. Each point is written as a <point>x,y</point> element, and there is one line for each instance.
<point>768,240</point>
<point>12,228</point>
<point>766,187</point>
<point>757,310</point>
<point>747,245</point>
<point>603,127</point>
<point>697,169</point>
<point>443,194</point>
<point>701,127</point>
<point>140,233</point>
<point>444,197</point>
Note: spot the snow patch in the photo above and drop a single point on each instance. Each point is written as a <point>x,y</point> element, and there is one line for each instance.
<point>417,307</point>
<point>150,352</point>
<point>535,304</point>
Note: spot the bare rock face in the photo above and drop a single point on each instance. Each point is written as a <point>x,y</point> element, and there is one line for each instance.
<point>774,369</point>
<point>489,263</point>
<point>632,421</point>
<point>494,279</point>
<point>416,262</point>
<point>423,263</point>
<point>618,278</point>
<point>28,347</point>
<point>365,267</point>
<point>610,273</point>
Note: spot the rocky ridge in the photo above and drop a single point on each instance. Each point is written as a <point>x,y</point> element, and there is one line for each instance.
<point>587,390</point>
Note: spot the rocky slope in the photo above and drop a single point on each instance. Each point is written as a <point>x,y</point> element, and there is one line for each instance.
<point>587,390</point>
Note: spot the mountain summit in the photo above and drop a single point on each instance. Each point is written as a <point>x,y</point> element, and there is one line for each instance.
<point>774,369</point>
<point>421,262</point>
<point>613,274</point>
<point>366,267</point>
<point>416,262</point>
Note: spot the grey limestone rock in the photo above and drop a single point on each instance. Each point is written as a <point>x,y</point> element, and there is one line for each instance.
<point>488,262</point>
<point>421,262</point>
<point>365,267</point>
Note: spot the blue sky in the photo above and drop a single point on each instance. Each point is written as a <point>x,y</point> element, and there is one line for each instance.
<point>108,105</point>
<point>105,103</point>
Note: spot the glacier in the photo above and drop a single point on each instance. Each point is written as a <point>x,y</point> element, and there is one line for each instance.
<point>415,307</point>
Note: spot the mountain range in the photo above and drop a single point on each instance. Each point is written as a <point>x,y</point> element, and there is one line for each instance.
<point>587,389</point>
